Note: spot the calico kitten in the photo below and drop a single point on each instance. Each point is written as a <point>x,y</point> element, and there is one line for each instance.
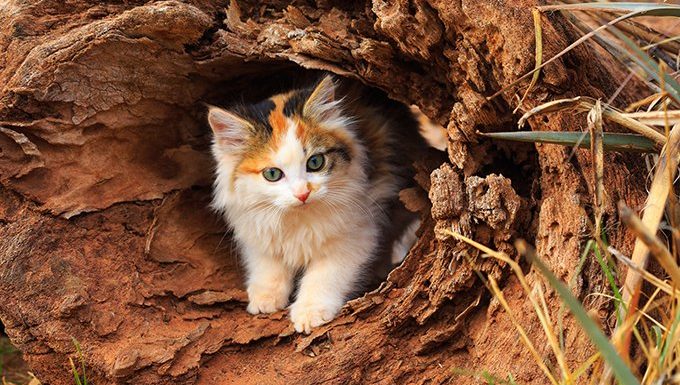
<point>309,182</point>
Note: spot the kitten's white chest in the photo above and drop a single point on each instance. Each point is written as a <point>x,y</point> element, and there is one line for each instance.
<point>299,242</point>
<point>295,238</point>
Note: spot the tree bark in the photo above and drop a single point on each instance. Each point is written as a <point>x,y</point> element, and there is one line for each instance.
<point>105,178</point>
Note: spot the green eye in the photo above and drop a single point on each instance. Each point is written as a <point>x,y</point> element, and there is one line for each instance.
<point>272,174</point>
<point>315,162</point>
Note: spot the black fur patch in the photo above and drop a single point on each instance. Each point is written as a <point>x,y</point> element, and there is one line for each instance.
<point>296,102</point>
<point>258,114</point>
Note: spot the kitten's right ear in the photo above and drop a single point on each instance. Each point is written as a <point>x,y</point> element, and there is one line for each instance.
<point>322,104</point>
<point>230,130</point>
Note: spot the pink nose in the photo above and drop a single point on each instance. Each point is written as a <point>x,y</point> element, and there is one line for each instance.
<point>303,196</point>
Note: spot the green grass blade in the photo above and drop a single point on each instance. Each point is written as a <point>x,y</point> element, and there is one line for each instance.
<point>670,337</point>
<point>606,349</point>
<point>76,376</point>
<point>610,279</point>
<point>81,358</point>
<point>642,9</point>
<point>611,142</point>
<point>658,336</point>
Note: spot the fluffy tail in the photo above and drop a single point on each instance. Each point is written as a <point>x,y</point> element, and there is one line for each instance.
<point>434,134</point>
<point>402,245</point>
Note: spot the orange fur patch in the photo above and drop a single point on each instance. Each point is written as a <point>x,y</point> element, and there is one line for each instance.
<point>276,118</point>
<point>254,164</point>
<point>300,130</point>
<point>277,121</point>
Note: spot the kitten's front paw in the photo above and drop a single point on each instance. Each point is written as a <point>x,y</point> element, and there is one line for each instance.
<point>309,315</point>
<point>266,301</point>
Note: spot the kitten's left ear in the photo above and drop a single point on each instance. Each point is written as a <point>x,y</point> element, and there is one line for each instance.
<point>322,104</point>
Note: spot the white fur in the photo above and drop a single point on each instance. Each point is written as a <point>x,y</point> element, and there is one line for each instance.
<point>331,237</point>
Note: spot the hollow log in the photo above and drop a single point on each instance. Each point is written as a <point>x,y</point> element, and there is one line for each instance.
<point>105,176</point>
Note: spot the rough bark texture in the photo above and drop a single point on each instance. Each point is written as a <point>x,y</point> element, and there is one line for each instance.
<point>105,177</point>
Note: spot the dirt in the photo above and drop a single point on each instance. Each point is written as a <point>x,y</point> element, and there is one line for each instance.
<point>105,178</point>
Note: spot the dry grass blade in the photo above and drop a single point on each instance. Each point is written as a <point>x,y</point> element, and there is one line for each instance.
<point>586,365</point>
<point>539,55</point>
<point>656,118</point>
<point>654,210</point>
<point>664,41</point>
<point>597,152</point>
<point>641,9</point>
<point>553,106</point>
<point>523,334</point>
<point>543,318</point>
<point>655,246</point>
<point>583,104</point>
<point>619,368</point>
<point>30,380</point>
<point>650,100</point>
<point>649,277</point>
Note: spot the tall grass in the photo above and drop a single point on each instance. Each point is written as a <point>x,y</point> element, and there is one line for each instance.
<point>649,323</point>
<point>8,351</point>
<point>79,377</point>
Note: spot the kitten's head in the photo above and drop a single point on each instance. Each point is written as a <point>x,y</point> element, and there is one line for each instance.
<point>291,150</point>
